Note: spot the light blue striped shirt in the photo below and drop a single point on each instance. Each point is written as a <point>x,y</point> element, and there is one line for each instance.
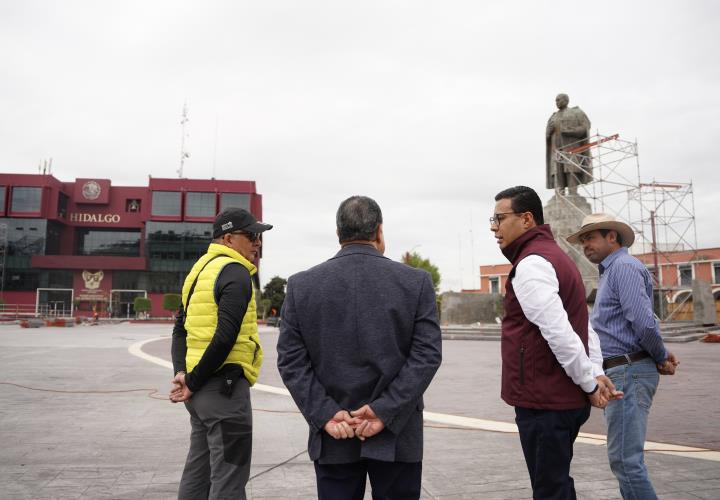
<point>623,314</point>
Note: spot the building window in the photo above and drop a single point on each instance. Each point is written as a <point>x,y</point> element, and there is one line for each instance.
<point>54,237</point>
<point>716,272</point>
<point>495,285</point>
<point>166,203</point>
<point>167,282</point>
<point>109,243</point>
<point>58,279</point>
<point>22,280</point>
<point>238,200</point>
<point>62,205</point>
<point>200,205</point>
<point>685,273</point>
<point>2,199</point>
<point>132,205</point>
<point>26,200</point>
<point>129,280</point>
<point>25,236</point>
<point>175,246</point>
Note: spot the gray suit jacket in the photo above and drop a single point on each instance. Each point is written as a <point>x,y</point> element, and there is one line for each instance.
<point>360,329</point>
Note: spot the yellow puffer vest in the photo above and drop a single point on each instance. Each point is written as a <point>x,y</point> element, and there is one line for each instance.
<point>201,313</point>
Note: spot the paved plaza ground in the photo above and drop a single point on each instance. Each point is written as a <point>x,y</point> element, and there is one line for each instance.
<point>81,416</point>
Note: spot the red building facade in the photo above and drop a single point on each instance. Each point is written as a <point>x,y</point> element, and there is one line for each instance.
<point>677,270</point>
<point>85,246</point>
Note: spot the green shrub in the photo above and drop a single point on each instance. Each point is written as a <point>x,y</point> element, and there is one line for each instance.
<point>171,302</point>
<point>142,305</point>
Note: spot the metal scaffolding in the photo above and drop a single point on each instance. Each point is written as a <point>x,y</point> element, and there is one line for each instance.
<point>662,214</point>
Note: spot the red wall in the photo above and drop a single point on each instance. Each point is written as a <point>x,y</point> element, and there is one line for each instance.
<point>19,297</point>
<point>157,310</point>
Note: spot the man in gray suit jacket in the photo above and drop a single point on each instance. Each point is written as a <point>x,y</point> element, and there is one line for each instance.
<point>359,344</point>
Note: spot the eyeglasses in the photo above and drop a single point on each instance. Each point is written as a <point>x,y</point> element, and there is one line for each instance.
<point>495,220</point>
<point>253,237</point>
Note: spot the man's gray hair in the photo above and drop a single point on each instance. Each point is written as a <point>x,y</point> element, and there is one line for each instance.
<point>358,218</point>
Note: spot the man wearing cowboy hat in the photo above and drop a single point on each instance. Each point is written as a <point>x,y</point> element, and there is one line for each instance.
<point>632,348</point>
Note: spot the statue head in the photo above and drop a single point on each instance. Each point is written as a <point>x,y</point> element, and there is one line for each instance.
<point>562,101</point>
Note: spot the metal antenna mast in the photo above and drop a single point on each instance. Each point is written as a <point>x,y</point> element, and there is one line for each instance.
<point>217,124</point>
<point>183,154</point>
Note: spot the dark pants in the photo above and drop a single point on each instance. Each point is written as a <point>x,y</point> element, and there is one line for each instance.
<point>389,480</point>
<point>547,438</point>
<point>218,463</point>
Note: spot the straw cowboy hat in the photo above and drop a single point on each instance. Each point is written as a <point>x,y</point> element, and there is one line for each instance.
<point>593,222</point>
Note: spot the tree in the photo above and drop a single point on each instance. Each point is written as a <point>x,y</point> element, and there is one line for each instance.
<point>142,305</point>
<point>275,292</point>
<point>171,302</point>
<point>264,308</point>
<point>415,260</point>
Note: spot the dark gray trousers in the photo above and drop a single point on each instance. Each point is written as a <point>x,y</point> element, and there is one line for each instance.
<point>218,463</point>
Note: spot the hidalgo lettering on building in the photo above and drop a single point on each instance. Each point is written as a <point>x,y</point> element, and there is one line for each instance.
<point>85,217</point>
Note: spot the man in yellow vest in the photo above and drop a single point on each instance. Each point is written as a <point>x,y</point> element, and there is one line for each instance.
<point>217,356</point>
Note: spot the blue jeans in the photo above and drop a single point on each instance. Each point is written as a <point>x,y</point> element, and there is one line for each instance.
<point>627,425</point>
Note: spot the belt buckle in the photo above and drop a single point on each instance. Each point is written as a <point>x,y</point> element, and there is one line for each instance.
<point>627,358</point>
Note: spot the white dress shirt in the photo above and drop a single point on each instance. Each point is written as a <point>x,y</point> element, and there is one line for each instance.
<point>536,288</point>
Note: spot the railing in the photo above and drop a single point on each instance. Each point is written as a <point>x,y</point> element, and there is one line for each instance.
<point>24,311</point>
<point>54,311</point>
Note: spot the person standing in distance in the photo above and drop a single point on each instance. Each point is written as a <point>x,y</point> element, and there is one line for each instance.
<point>551,360</point>
<point>359,343</point>
<point>633,350</point>
<point>216,356</point>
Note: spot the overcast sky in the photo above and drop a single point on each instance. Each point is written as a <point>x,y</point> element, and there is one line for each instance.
<point>431,108</point>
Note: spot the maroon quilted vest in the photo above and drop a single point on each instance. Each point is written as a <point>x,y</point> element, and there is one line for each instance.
<point>531,375</point>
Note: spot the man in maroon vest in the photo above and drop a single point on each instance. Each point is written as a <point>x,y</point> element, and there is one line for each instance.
<point>551,359</point>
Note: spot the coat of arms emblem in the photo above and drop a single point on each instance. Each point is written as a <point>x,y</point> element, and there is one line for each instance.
<point>92,280</point>
<point>91,190</point>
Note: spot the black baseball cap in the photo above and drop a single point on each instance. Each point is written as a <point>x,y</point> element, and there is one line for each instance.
<point>237,219</point>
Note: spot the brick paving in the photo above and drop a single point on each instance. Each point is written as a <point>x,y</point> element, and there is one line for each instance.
<point>130,445</point>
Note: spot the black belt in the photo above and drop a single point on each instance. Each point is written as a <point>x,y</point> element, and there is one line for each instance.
<point>624,359</point>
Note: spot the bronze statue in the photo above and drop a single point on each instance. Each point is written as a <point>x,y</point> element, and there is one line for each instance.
<point>567,129</point>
